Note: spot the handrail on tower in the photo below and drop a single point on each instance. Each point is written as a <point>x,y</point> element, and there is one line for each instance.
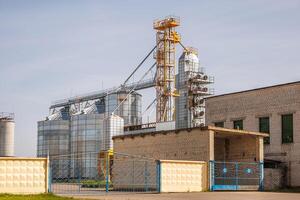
<point>166,40</point>
<point>169,21</point>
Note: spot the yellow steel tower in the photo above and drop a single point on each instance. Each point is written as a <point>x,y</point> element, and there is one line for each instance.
<point>166,39</point>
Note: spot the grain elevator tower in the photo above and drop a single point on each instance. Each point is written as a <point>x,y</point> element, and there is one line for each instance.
<point>192,86</point>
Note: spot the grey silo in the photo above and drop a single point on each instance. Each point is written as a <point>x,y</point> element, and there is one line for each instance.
<point>78,135</point>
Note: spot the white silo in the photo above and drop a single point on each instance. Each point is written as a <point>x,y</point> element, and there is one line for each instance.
<point>7,129</point>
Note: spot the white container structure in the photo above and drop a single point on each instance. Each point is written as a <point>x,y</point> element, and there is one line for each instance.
<point>165,126</point>
<point>113,126</point>
<point>7,130</point>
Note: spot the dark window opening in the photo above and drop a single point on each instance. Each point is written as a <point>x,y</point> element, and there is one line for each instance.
<point>219,124</point>
<point>238,124</point>
<point>264,127</point>
<point>287,128</point>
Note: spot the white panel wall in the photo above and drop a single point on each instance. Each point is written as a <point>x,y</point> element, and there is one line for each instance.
<point>23,175</point>
<point>183,176</point>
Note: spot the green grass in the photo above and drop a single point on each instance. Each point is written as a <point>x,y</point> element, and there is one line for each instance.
<point>33,197</point>
<point>94,183</point>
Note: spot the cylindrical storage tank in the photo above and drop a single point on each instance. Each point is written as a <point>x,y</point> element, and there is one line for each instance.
<point>7,130</point>
<point>85,138</point>
<point>53,138</point>
<point>131,108</point>
<point>53,141</point>
<point>113,126</point>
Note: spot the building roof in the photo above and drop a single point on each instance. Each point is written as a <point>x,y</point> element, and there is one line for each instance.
<point>262,88</point>
<point>235,131</point>
<point>4,116</point>
<point>218,130</point>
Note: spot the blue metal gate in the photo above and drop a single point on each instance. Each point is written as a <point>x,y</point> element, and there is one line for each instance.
<point>236,175</point>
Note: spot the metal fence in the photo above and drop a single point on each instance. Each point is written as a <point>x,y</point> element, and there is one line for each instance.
<point>131,173</point>
<point>108,173</point>
<point>236,175</point>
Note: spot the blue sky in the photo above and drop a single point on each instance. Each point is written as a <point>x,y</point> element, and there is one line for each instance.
<point>55,49</point>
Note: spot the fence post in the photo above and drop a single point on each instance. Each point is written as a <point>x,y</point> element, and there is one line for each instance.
<point>107,172</point>
<point>133,182</point>
<point>79,177</point>
<point>158,175</point>
<point>49,176</point>
<point>261,176</point>
<point>146,176</point>
<point>236,175</point>
<point>211,175</point>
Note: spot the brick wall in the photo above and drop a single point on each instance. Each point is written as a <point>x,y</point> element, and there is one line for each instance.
<point>182,145</point>
<point>273,178</point>
<point>236,148</point>
<point>271,102</point>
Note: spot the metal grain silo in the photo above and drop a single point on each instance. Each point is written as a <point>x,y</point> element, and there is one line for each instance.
<point>7,129</point>
<point>188,63</point>
<point>192,86</point>
<point>130,106</point>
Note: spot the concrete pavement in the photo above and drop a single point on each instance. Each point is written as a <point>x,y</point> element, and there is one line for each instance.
<point>197,196</point>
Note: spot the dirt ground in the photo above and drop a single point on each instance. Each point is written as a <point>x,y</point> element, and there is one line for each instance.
<point>198,196</point>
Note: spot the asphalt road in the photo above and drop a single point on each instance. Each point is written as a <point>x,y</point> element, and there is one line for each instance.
<point>196,196</point>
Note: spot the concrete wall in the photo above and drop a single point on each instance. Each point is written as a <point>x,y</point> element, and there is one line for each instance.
<point>23,175</point>
<point>272,102</point>
<point>171,145</point>
<point>189,176</point>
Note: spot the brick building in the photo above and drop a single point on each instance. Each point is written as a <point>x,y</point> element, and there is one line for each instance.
<point>196,144</point>
<point>223,147</point>
<point>274,110</point>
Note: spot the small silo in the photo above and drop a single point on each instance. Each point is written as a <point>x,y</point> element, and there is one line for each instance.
<point>130,109</point>
<point>113,126</point>
<point>7,129</point>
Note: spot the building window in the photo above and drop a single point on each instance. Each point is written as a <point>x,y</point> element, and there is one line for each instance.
<point>264,127</point>
<point>219,124</point>
<point>238,124</point>
<point>287,128</point>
